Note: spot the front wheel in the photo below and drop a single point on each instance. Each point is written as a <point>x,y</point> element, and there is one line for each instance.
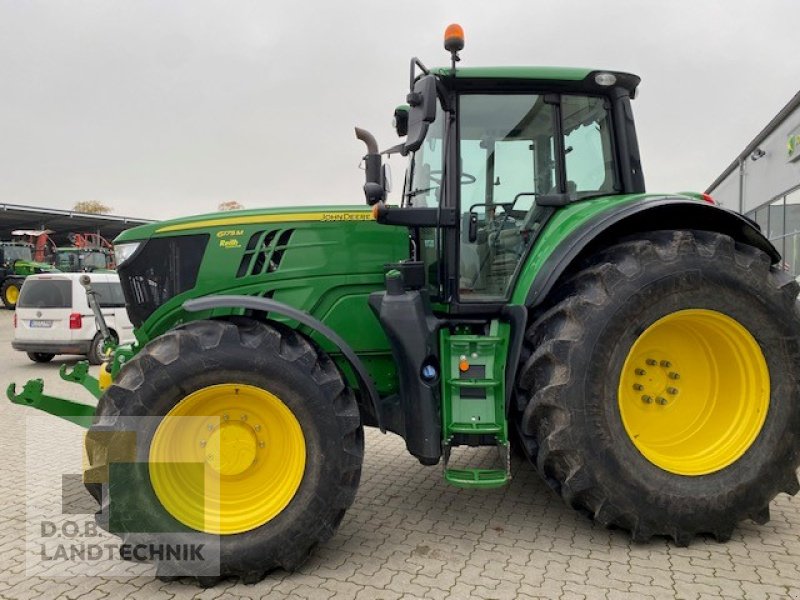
<point>249,440</point>
<point>662,390</point>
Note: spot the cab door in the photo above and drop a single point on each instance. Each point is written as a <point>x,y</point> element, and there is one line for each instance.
<point>508,157</point>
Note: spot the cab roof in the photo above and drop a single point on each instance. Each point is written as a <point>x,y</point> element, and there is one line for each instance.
<point>584,76</point>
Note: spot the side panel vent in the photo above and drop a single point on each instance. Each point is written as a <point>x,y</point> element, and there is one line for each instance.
<point>264,252</point>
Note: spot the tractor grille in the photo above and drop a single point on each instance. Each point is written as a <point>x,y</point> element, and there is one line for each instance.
<point>264,252</point>
<point>160,270</point>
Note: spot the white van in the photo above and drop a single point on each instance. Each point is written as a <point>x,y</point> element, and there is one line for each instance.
<point>53,316</point>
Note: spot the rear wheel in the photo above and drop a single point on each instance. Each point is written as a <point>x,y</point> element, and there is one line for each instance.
<point>96,355</point>
<point>41,357</point>
<point>267,418</point>
<point>9,292</point>
<point>661,386</point>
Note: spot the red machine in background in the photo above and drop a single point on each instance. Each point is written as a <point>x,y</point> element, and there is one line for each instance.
<point>44,248</point>
<point>89,251</point>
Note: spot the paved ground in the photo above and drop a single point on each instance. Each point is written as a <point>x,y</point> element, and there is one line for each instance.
<point>408,535</point>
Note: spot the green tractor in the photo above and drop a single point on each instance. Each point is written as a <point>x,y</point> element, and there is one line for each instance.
<point>526,295</point>
<point>16,263</point>
<point>83,260</point>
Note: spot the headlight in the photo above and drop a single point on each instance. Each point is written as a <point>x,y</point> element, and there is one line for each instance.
<point>123,252</point>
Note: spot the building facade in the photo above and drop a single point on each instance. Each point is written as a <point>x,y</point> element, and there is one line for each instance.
<point>763,183</point>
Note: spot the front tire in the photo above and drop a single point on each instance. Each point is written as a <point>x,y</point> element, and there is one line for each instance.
<point>41,357</point>
<point>653,448</point>
<point>283,377</point>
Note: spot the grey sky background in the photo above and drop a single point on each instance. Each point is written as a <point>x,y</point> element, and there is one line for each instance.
<point>161,109</point>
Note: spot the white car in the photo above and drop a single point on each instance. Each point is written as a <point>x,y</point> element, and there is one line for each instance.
<point>53,316</point>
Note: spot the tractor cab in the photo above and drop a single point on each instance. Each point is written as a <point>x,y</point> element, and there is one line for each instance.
<point>492,154</point>
<point>82,260</point>
<point>10,252</point>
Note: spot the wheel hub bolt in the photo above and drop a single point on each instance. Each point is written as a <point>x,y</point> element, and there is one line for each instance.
<point>638,387</point>
<point>662,401</point>
<point>672,390</point>
<point>202,443</point>
<point>674,375</point>
<point>641,372</point>
<point>666,364</point>
<point>243,417</point>
<point>257,427</point>
<point>261,444</point>
<point>210,427</point>
<point>651,361</point>
<point>225,417</point>
<point>647,399</point>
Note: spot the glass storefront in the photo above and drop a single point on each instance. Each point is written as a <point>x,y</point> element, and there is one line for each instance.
<point>780,222</point>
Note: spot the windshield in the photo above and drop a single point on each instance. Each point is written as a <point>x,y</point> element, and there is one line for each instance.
<point>76,260</point>
<point>422,188</point>
<point>425,166</point>
<point>95,260</point>
<point>67,260</point>
<point>12,253</point>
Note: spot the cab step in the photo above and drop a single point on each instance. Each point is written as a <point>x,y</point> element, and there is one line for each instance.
<point>473,402</point>
<point>477,478</point>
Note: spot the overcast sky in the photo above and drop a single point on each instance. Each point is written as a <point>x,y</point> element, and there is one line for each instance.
<point>161,109</point>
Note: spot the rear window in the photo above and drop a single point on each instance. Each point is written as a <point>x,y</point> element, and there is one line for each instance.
<point>109,295</point>
<point>45,293</point>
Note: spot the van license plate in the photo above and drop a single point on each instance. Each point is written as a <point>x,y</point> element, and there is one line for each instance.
<point>43,324</point>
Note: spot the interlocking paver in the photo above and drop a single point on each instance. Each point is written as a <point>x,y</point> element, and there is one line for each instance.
<point>410,536</point>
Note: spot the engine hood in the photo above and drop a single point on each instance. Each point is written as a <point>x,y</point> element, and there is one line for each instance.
<point>233,219</point>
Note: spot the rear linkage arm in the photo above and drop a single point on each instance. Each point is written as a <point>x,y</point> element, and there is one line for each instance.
<point>33,395</point>
<point>80,374</point>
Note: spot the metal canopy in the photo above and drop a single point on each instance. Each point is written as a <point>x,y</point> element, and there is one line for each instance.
<point>63,222</point>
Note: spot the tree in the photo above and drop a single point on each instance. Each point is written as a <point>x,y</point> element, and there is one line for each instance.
<point>229,205</point>
<point>92,207</point>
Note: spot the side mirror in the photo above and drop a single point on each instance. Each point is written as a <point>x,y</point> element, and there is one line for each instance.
<point>422,113</point>
<point>400,121</point>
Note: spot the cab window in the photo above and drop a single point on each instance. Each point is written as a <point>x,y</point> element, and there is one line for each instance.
<point>590,160</point>
<point>507,159</point>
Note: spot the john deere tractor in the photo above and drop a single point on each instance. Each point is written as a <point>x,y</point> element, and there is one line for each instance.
<point>16,263</point>
<point>526,294</point>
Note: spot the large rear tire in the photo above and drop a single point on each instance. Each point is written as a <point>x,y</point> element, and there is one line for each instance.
<point>288,433</point>
<point>660,389</point>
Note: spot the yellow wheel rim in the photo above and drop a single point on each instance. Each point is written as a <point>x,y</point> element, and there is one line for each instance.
<point>694,392</point>
<point>12,294</point>
<point>227,458</point>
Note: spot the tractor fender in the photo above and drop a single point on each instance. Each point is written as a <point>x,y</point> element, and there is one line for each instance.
<point>651,214</point>
<point>268,305</point>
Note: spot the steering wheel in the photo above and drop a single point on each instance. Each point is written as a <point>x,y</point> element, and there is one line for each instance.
<point>466,178</point>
